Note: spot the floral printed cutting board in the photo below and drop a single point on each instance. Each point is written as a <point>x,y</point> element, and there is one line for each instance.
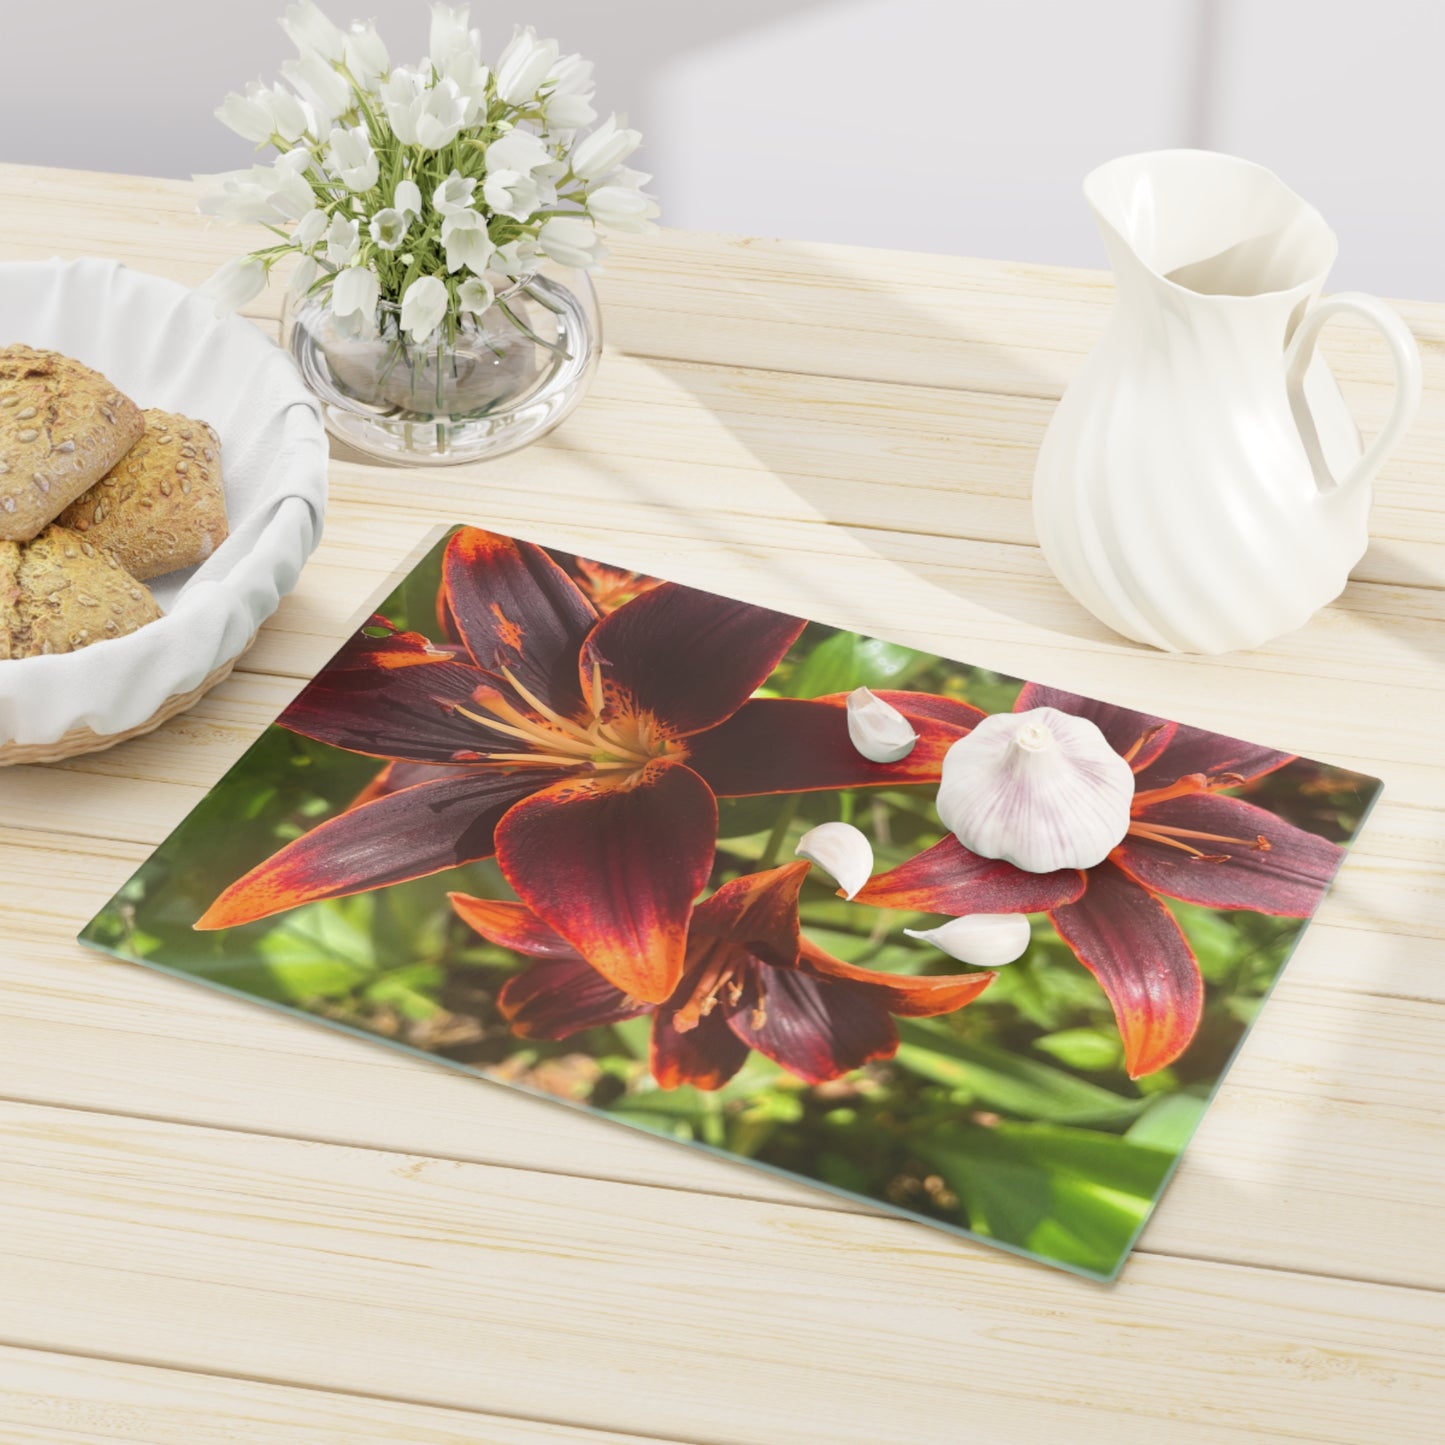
<point>538,819</point>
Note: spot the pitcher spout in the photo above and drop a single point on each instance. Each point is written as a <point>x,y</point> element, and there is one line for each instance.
<point>1209,225</point>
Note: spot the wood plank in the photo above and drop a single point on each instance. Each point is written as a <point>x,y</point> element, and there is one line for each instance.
<point>998,326</point>
<point>762,447</point>
<point>729,1320</point>
<point>1335,1093</point>
<point>672,280</point>
<point>53,1399</point>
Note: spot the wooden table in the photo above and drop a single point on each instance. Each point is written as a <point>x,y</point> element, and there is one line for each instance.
<point>218,1224</point>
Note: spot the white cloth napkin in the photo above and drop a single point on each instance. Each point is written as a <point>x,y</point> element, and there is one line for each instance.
<point>163,346</point>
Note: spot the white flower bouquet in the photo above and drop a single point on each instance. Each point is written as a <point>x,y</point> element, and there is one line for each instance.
<point>431,192</point>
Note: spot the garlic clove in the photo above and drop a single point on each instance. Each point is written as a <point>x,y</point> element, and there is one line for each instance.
<point>1040,789</point>
<point>987,940</point>
<point>877,729</point>
<point>841,850</point>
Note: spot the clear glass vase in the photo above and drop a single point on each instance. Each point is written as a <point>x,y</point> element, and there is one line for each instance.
<point>485,385</point>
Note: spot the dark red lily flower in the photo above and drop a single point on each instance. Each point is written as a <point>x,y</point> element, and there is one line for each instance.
<point>1187,840</point>
<point>751,980</point>
<point>586,753</point>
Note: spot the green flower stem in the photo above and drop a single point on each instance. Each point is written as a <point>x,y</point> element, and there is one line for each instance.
<point>552,346</point>
<point>779,834</point>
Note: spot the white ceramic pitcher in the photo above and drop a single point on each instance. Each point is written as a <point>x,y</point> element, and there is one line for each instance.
<point>1202,486</point>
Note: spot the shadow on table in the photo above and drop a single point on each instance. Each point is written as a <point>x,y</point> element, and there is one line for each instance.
<point>810,429</point>
<point>1426,635</point>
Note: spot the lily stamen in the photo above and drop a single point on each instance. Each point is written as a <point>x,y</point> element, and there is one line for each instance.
<point>1144,738</point>
<point>1197,854</point>
<point>1186,787</point>
<point>533,701</point>
<point>625,745</point>
<point>581,749</point>
<point>715,976</point>
<point>542,760</point>
<point>1259,843</point>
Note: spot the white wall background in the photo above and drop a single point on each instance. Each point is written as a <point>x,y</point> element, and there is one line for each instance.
<point>941,125</point>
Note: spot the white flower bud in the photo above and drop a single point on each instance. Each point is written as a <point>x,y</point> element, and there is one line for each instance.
<point>304,276</point>
<point>240,280</point>
<point>342,239</point>
<point>454,194</point>
<point>524,65</point>
<point>570,240</point>
<point>606,148</point>
<point>423,306</point>
<point>407,199</point>
<point>366,56</point>
<point>620,208</point>
<point>246,116</point>
<point>355,292</point>
<point>310,229</point>
<point>388,228</point>
<point>319,83</point>
<point>476,295</point>
<point>308,29</point>
<point>465,239</point>
<point>352,159</point>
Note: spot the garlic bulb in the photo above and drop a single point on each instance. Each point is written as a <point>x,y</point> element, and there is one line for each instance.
<point>1040,789</point>
<point>877,729</point>
<point>839,849</point>
<point>988,940</point>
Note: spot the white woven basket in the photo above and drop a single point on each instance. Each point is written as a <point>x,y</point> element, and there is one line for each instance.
<point>163,346</point>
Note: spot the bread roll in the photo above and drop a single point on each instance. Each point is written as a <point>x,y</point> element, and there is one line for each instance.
<point>162,505</point>
<point>60,592</point>
<point>62,427</point>
<point>9,598</point>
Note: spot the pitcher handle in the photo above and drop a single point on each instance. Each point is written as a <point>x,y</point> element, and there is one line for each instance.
<point>1408,382</point>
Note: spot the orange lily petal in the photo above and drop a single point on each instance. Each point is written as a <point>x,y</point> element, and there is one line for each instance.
<point>614,869</point>
<point>916,997</point>
<point>517,610</point>
<point>688,658</point>
<point>1252,859</point>
<point>510,925</point>
<point>403,835</point>
<point>799,745</point>
<point>947,878</point>
<point>392,697</point>
<point>558,997</point>
<point>1130,942</point>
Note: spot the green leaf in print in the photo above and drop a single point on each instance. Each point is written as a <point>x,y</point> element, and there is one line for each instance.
<point>1073,1195</point>
<point>1168,1122</point>
<point>324,950</point>
<point>1093,1050</point>
<point>1003,1081</point>
<point>845,661</point>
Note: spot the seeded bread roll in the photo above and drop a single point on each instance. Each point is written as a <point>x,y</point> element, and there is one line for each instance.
<point>59,592</point>
<point>62,427</point>
<point>162,505</point>
<point>9,597</point>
